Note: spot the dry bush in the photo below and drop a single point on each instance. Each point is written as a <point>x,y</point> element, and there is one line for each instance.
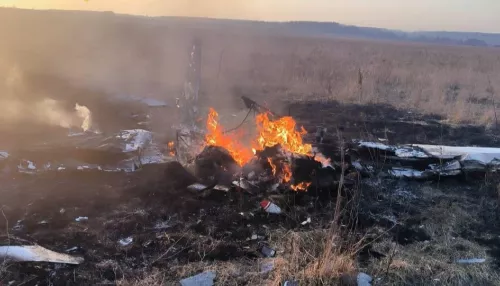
<point>313,258</point>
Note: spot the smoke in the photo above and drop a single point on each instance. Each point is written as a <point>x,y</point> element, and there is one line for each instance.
<point>84,113</point>
<point>46,111</point>
<point>17,108</point>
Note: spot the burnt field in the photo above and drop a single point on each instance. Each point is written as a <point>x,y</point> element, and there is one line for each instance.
<point>92,163</point>
<point>147,228</point>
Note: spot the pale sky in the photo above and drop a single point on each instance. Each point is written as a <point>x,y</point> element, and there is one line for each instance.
<point>410,15</point>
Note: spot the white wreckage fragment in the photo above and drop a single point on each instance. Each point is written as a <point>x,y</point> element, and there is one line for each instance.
<point>471,158</point>
<point>454,160</point>
<point>36,253</point>
<point>471,261</point>
<point>126,241</point>
<point>3,155</point>
<point>26,166</point>
<point>202,279</point>
<point>364,279</point>
<point>406,173</point>
<point>135,139</point>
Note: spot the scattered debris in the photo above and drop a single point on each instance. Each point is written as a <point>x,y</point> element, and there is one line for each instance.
<point>3,155</point>
<point>244,184</point>
<point>364,279</point>
<point>270,207</point>
<point>471,260</point>
<point>197,187</point>
<point>267,266</point>
<point>18,225</point>
<point>291,283</point>
<point>406,173</point>
<point>429,161</point>
<point>126,241</point>
<point>35,253</point>
<point>221,188</point>
<point>81,218</point>
<point>75,248</point>
<point>256,237</point>
<point>202,279</point>
<point>307,221</point>
<point>267,251</point>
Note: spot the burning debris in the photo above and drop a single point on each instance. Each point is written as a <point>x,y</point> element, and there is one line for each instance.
<point>275,157</point>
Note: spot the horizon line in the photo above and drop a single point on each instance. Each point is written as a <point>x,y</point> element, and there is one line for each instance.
<point>251,20</point>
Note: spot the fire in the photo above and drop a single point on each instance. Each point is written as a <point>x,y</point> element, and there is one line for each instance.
<point>270,133</point>
<point>273,167</point>
<point>287,173</point>
<point>216,137</point>
<point>171,148</point>
<point>281,131</point>
<point>300,187</point>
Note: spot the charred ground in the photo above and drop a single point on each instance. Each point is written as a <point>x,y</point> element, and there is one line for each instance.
<point>401,232</point>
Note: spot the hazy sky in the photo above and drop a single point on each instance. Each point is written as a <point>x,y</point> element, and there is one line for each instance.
<point>458,15</point>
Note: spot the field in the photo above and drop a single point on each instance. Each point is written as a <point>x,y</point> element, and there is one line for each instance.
<point>400,232</point>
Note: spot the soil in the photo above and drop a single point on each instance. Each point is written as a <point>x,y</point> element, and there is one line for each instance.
<point>173,227</point>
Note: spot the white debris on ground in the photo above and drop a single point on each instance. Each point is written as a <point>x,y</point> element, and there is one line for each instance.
<point>267,266</point>
<point>401,192</point>
<point>26,166</point>
<point>374,145</point>
<point>135,139</point>
<point>81,218</point>
<point>405,173</point>
<point>126,241</point>
<point>4,155</point>
<point>471,157</point>
<point>35,253</point>
<point>471,260</point>
<point>307,221</point>
<point>452,160</point>
<point>364,279</point>
<point>202,279</point>
<point>410,152</point>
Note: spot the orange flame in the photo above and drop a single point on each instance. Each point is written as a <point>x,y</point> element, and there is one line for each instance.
<point>216,137</point>
<point>270,133</point>
<point>300,187</point>
<point>281,131</point>
<point>171,148</point>
<point>273,167</point>
<point>287,173</point>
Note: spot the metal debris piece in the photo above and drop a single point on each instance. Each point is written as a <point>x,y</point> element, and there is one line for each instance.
<point>270,207</point>
<point>197,187</point>
<point>267,266</point>
<point>291,283</point>
<point>75,248</point>
<point>364,279</point>
<point>307,221</point>
<point>126,241</point>
<point>81,218</point>
<point>202,279</point>
<point>221,188</point>
<point>471,260</point>
<point>267,251</point>
<point>36,253</point>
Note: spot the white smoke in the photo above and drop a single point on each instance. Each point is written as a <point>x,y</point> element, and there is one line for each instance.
<point>85,114</point>
<point>15,110</point>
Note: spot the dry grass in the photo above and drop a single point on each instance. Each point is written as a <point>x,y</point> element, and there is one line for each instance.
<point>313,258</point>
<point>459,83</point>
